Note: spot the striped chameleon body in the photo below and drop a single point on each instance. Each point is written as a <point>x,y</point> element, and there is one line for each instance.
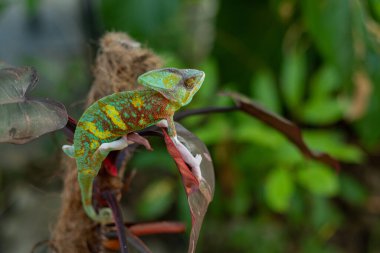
<point>104,125</point>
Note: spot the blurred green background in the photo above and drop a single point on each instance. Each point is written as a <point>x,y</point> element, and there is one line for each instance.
<point>316,62</point>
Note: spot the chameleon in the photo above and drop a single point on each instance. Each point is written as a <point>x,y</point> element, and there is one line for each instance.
<point>104,126</point>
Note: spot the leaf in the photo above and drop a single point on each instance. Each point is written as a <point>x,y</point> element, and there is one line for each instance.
<point>156,199</point>
<point>321,111</point>
<point>279,189</point>
<point>123,234</point>
<point>333,143</point>
<point>352,191</point>
<point>25,119</point>
<point>329,24</point>
<point>289,129</point>
<point>375,7</point>
<point>318,179</point>
<point>325,82</point>
<point>263,88</point>
<point>324,107</point>
<point>118,218</point>
<point>293,78</point>
<point>199,194</point>
<point>214,131</point>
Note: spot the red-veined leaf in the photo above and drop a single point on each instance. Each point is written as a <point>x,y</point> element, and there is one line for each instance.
<point>199,194</point>
<point>189,180</point>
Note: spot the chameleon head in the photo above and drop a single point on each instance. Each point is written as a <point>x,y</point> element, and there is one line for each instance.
<point>177,85</point>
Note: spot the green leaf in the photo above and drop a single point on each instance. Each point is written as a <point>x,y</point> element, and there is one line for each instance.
<point>329,24</point>
<point>334,144</point>
<point>146,17</point>
<point>323,107</point>
<point>293,78</point>
<point>325,217</point>
<point>375,7</point>
<point>324,82</point>
<point>156,199</point>
<point>208,91</point>
<point>279,189</point>
<point>254,132</point>
<point>263,89</point>
<point>287,154</point>
<point>216,130</point>
<point>352,191</point>
<point>321,111</point>
<point>319,179</point>
<point>241,200</point>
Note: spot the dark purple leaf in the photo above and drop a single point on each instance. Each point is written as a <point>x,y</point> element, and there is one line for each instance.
<point>24,119</point>
<point>118,218</point>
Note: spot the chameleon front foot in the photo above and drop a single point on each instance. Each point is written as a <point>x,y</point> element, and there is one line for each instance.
<point>193,161</point>
<point>69,150</point>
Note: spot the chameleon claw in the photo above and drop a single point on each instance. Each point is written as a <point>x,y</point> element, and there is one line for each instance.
<point>197,160</point>
<point>136,138</point>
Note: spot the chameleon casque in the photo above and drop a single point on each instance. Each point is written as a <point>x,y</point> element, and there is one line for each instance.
<point>104,126</point>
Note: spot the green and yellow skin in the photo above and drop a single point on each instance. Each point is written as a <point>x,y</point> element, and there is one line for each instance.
<point>104,126</point>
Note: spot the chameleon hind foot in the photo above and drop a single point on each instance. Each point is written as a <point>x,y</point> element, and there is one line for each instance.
<point>104,149</point>
<point>119,144</point>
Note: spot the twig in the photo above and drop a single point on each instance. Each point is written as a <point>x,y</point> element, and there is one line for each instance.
<point>192,112</point>
<point>114,205</point>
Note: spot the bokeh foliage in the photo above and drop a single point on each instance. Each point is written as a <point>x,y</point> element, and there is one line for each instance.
<point>315,62</point>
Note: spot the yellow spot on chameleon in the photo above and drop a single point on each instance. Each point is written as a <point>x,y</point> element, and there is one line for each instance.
<point>170,80</point>
<point>79,152</point>
<point>91,127</point>
<point>94,144</point>
<point>114,115</point>
<point>137,102</point>
<point>88,172</point>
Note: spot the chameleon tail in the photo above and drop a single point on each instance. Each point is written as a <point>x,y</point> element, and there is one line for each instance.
<point>86,184</point>
<point>86,178</point>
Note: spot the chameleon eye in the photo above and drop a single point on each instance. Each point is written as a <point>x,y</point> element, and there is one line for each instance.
<point>189,83</point>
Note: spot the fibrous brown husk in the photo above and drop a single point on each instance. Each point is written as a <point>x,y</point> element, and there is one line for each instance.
<point>119,62</point>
